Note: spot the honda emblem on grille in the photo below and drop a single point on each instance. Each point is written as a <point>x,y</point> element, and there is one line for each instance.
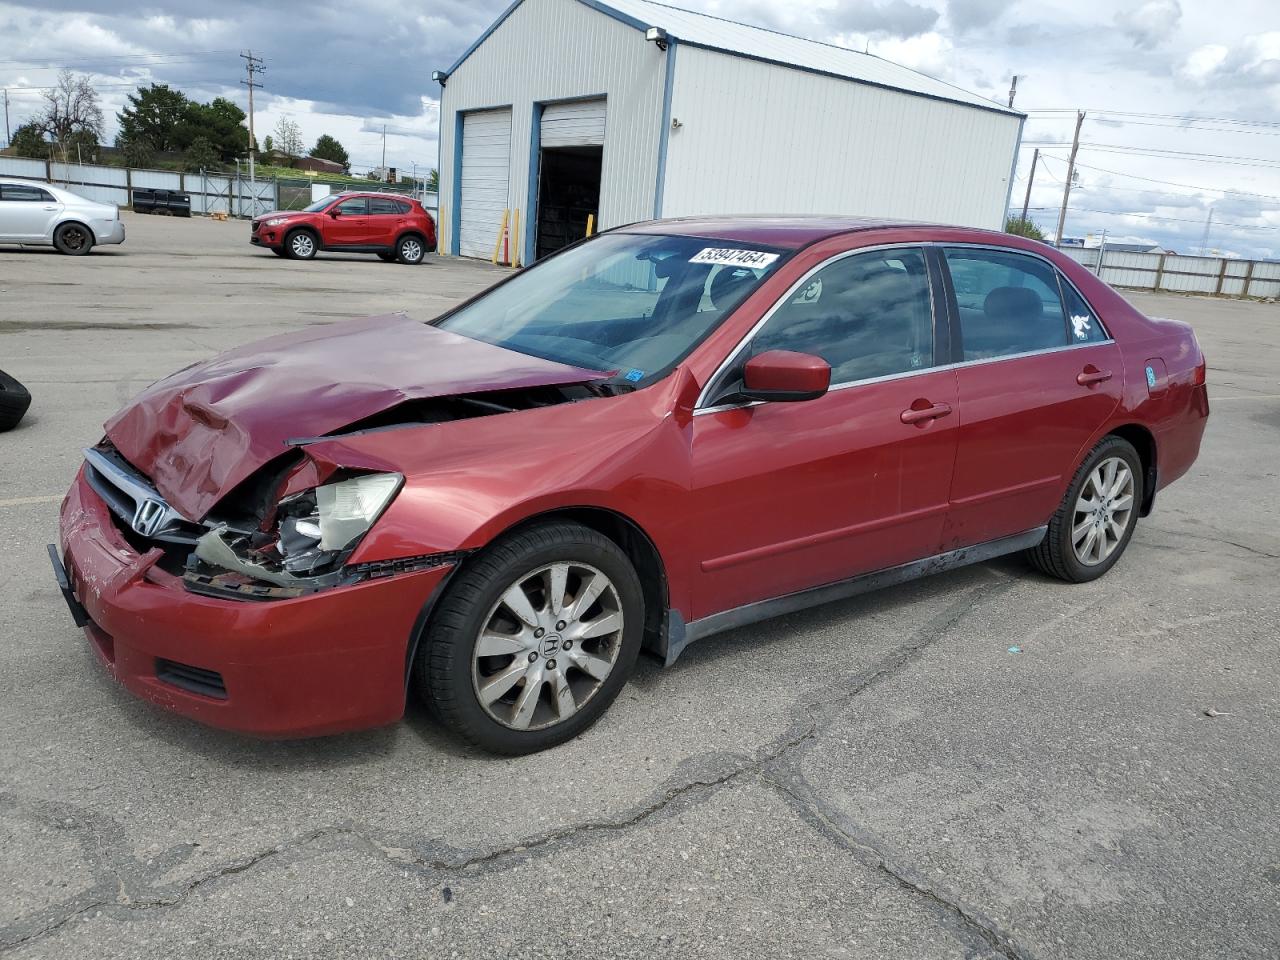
<point>149,517</point>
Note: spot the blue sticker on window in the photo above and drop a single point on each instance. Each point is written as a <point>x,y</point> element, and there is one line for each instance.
<point>1151,378</point>
<point>634,375</point>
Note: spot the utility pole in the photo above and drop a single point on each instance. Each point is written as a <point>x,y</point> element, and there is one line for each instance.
<point>384,151</point>
<point>1013,90</point>
<point>253,67</point>
<point>1031,178</point>
<point>1204,241</point>
<point>1071,170</point>
<point>7,136</point>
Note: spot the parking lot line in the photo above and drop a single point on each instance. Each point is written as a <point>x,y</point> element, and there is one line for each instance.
<point>27,501</point>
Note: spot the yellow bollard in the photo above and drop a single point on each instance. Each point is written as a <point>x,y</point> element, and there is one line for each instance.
<point>442,246</point>
<point>515,237</point>
<point>591,224</point>
<point>502,234</point>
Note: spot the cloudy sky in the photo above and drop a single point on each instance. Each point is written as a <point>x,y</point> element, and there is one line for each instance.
<point>1139,68</point>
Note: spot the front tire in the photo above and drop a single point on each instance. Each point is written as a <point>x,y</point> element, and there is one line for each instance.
<point>301,245</point>
<point>73,239</point>
<point>386,257</point>
<point>1097,517</point>
<point>533,639</point>
<point>410,250</point>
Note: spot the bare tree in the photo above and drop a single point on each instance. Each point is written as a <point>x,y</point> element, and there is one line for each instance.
<point>72,114</point>
<point>288,137</point>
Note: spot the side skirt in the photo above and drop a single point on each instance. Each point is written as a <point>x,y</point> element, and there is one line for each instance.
<point>679,634</point>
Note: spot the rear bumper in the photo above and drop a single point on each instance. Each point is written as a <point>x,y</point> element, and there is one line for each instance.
<point>325,663</point>
<point>109,233</point>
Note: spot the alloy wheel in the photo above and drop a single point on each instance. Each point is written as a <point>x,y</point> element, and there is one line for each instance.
<point>302,245</point>
<point>411,251</point>
<point>547,645</point>
<point>1103,511</point>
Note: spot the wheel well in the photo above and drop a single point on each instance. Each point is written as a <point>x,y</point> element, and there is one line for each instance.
<point>302,229</point>
<point>633,541</point>
<point>75,223</point>
<point>411,233</point>
<point>640,550</point>
<point>1145,443</point>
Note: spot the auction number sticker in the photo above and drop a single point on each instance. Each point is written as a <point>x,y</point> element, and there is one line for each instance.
<point>752,259</point>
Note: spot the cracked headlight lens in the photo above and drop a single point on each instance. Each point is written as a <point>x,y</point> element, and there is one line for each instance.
<point>319,525</point>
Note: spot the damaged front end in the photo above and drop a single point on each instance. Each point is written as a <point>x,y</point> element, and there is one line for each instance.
<point>268,540</point>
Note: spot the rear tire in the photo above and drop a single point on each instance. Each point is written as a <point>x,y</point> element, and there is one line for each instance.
<point>562,666</point>
<point>14,401</point>
<point>1096,519</point>
<point>301,245</point>
<point>73,239</point>
<point>410,249</point>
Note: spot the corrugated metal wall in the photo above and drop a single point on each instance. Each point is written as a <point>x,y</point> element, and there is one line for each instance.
<point>756,138</point>
<point>1183,274</point>
<point>549,50</point>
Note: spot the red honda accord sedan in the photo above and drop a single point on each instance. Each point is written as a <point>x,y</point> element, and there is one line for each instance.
<point>669,430</point>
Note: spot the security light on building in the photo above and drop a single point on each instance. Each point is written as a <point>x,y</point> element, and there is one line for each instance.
<point>628,110</point>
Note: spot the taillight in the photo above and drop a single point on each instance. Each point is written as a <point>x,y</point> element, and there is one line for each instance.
<point>1197,378</point>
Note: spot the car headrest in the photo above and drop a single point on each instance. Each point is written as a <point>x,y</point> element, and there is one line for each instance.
<point>726,286</point>
<point>1013,303</point>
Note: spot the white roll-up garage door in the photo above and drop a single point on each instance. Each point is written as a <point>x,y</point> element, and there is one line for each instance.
<point>579,124</point>
<point>486,167</point>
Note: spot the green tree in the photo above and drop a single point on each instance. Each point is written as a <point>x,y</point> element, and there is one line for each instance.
<point>28,141</point>
<point>1023,228</point>
<point>201,155</point>
<point>433,181</point>
<point>137,152</point>
<point>328,148</point>
<point>220,122</point>
<point>153,114</point>
<point>267,144</point>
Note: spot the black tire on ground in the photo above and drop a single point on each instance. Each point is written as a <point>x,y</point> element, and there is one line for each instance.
<point>1055,555</point>
<point>410,249</point>
<point>73,239</point>
<point>301,245</point>
<point>387,256</point>
<point>14,401</point>
<point>443,664</point>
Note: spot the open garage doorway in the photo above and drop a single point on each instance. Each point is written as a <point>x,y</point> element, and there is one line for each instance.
<point>568,195</point>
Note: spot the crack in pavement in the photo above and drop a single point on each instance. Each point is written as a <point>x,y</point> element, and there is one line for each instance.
<point>803,731</point>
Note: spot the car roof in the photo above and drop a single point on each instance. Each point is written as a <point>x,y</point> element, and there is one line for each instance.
<point>793,232</point>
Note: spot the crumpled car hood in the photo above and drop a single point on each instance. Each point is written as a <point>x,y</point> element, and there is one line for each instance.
<point>205,429</point>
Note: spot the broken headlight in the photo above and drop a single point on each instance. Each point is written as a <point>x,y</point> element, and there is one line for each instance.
<point>318,526</point>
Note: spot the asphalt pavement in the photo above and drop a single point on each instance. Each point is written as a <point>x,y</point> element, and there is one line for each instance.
<point>877,778</point>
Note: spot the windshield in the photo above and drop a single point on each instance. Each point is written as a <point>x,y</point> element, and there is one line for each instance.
<point>633,304</point>
<point>315,206</point>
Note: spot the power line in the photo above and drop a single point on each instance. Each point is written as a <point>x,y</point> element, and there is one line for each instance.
<point>1164,116</point>
<point>1191,155</point>
<point>1153,216</point>
<point>1167,183</point>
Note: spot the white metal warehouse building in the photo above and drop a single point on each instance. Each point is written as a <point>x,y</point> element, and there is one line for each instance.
<point>565,108</point>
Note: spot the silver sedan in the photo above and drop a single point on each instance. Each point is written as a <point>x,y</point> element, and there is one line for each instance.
<point>34,213</point>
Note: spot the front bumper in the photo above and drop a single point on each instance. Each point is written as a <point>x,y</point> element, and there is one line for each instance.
<point>270,237</point>
<point>320,664</point>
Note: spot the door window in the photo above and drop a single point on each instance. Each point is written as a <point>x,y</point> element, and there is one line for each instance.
<point>382,206</point>
<point>868,315</point>
<point>1009,303</point>
<point>22,192</point>
<point>355,207</point>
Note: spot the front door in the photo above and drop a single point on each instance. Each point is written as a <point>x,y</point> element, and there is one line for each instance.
<point>1039,378</point>
<point>350,224</point>
<point>27,212</point>
<point>793,495</point>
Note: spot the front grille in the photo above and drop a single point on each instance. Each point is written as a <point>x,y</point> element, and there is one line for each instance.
<point>137,505</point>
<point>253,227</point>
<point>207,683</point>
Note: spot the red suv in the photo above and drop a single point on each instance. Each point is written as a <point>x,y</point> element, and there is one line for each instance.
<point>392,226</point>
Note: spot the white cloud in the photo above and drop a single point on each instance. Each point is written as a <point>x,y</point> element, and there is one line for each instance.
<point>1152,23</point>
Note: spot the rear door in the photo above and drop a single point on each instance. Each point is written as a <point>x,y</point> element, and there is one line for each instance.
<point>349,224</point>
<point>794,495</point>
<point>27,212</point>
<point>387,216</point>
<point>1038,376</point>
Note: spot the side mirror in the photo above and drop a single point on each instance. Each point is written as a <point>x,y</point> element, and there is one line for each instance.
<point>333,211</point>
<point>784,375</point>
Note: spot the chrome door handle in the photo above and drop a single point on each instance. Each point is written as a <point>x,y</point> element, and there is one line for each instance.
<point>911,415</point>
<point>1090,375</point>
<point>51,208</point>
